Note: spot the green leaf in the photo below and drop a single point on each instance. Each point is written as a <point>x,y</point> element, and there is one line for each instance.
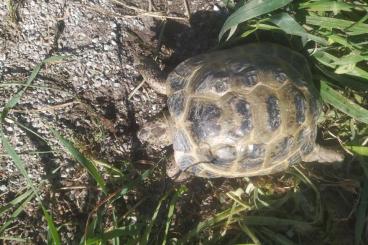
<point>81,159</point>
<point>290,26</point>
<point>350,59</point>
<point>9,149</point>
<point>51,227</point>
<point>340,102</point>
<point>361,214</point>
<point>277,237</point>
<point>344,80</point>
<point>350,27</point>
<point>359,150</point>
<point>211,222</point>
<point>178,193</point>
<point>22,169</point>
<point>18,200</point>
<point>22,201</point>
<point>250,10</point>
<point>147,232</point>
<point>14,100</point>
<point>327,6</point>
<point>330,60</point>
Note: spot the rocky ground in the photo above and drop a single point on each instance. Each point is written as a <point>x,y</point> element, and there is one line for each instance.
<point>90,96</point>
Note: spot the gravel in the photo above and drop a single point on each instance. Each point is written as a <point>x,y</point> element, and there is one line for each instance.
<point>88,102</point>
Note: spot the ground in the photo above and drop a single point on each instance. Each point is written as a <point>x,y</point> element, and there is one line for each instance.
<point>93,98</point>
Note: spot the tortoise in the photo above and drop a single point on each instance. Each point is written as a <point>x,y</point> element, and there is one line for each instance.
<point>246,111</point>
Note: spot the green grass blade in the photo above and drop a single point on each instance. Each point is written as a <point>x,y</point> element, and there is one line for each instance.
<point>330,60</point>
<point>17,211</point>
<point>249,233</point>
<point>326,6</point>
<point>18,200</point>
<point>350,27</point>
<point>9,149</point>
<point>74,152</point>
<point>361,214</point>
<point>16,98</point>
<point>170,213</point>
<point>359,150</point>
<point>147,233</point>
<point>277,238</point>
<point>211,222</point>
<point>250,10</point>
<point>274,221</point>
<point>21,168</point>
<point>51,228</point>
<point>345,80</point>
<point>290,26</point>
<point>340,102</point>
<point>350,59</point>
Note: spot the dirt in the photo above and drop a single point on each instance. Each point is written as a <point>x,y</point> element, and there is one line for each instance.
<point>90,101</point>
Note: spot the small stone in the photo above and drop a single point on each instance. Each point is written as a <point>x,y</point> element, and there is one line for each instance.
<point>3,188</point>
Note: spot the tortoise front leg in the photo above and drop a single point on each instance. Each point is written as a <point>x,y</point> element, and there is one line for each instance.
<point>151,73</point>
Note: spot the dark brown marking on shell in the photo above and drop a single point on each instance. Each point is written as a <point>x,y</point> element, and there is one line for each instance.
<point>236,65</point>
<point>250,164</point>
<point>282,148</point>
<point>254,151</point>
<point>299,102</point>
<point>302,136</point>
<point>273,110</point>
<point>181,142</point>
<point>217,82</point>
<point>314,110</point>
<point>279,75</point>
<point>252,156</point>
<point>176,103</point>
<point>242,108</point>
<point>224,155</point>
<point>204,117</point>
<point>294,159</point>
<point>176,81</point>
<point>248,76</point>
<point>307,148</point>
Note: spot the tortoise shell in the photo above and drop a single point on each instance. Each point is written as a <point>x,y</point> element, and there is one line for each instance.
<point>246,111</point>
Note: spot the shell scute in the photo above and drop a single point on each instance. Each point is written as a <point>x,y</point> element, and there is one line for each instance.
<point>281,148</point>
<point>224,155</point>
<point>176,103</point>
<point>204,117</point>
<point>217,82</point>
<point>181,141</point>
